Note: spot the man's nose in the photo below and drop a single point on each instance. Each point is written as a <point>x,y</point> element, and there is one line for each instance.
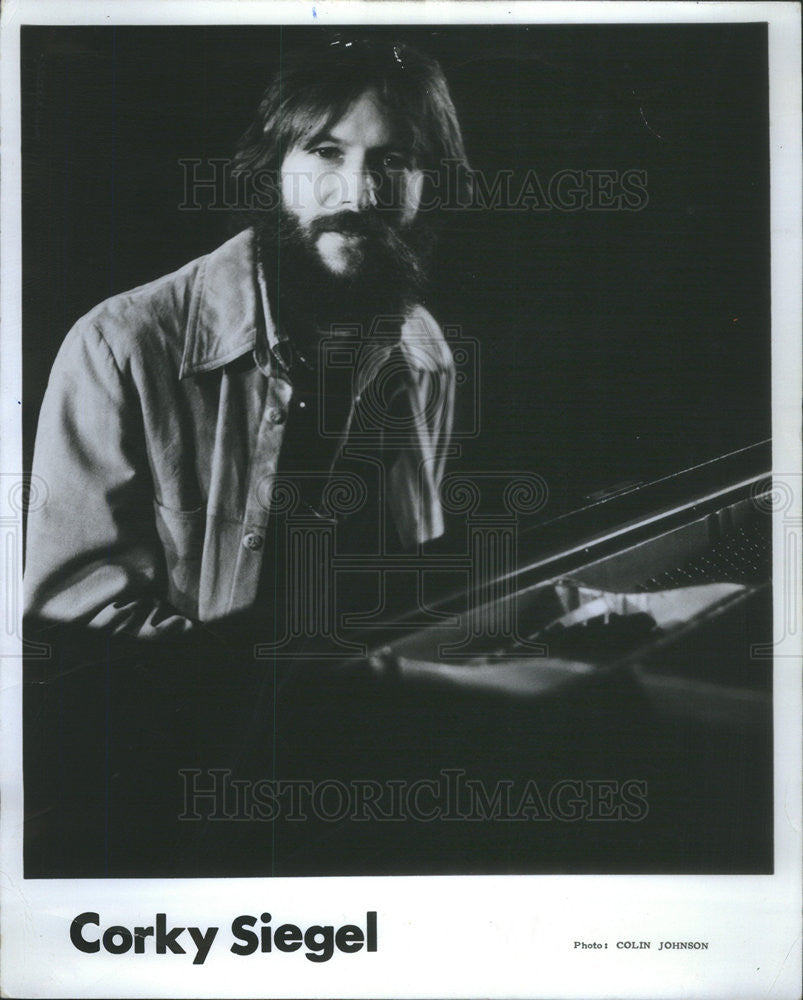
<point>360,187</point>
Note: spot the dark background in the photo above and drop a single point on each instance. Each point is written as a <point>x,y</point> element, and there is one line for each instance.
<point>614,346</point>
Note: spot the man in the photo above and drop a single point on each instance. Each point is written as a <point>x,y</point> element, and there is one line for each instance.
<point>175,412</point>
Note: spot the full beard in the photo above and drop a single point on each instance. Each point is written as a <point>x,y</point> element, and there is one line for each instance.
<point>388,276</point>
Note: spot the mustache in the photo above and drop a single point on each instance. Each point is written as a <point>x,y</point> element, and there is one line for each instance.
<point>349,223</point>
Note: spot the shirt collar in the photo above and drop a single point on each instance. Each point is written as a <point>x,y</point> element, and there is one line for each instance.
<point>275,341</point>
<point>229,315</point>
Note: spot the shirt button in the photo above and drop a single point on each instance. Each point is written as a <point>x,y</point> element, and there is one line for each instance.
<point>276,416</point>
<point>253,541</point>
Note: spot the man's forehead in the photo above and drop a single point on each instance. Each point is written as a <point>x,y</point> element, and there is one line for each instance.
<point>366,122</point>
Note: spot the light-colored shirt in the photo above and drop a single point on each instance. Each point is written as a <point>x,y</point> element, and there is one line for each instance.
<point>159,440</point>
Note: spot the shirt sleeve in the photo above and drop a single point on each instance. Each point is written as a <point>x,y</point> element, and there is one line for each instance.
<point>92,552</point>
<point>415,477</point>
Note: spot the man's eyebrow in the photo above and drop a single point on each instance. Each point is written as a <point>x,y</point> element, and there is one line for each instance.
<point>319,137</point>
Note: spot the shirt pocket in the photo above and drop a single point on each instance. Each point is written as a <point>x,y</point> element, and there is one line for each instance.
<point>182,534</point>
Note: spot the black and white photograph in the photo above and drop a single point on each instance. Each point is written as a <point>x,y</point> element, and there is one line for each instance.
<point>401,494</point>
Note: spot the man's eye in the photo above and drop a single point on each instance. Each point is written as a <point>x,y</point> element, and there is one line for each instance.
<point>329,153</point>
<point>395,161</point>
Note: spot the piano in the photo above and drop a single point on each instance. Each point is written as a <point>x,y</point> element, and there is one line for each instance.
<point>590,692</point>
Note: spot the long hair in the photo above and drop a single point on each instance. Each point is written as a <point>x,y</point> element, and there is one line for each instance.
<point>314,88</point>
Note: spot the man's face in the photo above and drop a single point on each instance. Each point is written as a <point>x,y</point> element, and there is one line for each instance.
<point>332,183</point>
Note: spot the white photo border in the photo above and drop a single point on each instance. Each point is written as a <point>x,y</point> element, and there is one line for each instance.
<point>466,936</point>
